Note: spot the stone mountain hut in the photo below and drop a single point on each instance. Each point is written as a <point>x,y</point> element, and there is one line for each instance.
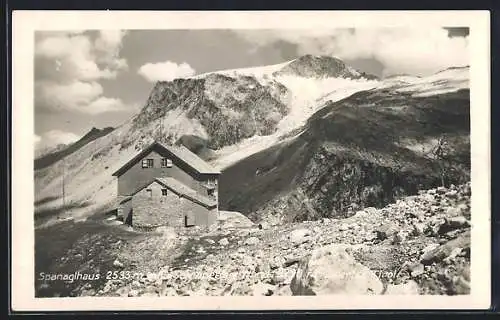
<point>167,186</point>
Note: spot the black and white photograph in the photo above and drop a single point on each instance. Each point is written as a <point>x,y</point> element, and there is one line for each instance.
<point>255,162</point>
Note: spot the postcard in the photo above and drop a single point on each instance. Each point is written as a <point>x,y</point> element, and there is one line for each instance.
<point>271,160</point>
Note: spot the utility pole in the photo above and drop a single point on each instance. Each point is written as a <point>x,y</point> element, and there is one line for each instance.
<point>63,183</point>
<point>161,130</point>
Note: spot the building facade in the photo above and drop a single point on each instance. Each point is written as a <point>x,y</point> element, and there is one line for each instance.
<point>167,186</point>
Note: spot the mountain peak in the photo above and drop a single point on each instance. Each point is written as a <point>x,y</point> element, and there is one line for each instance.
<point>314,66</point>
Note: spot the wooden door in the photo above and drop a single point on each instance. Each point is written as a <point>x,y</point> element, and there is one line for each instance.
<point>188,220</point>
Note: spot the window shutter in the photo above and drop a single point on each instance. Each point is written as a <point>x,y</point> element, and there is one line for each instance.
<point>144,163</point>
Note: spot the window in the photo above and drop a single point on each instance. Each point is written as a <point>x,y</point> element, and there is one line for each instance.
<point>211,183</point>
<point>163,192</point>
<point>149,192</point>
<point>147,163</point>
<point>166,163</point>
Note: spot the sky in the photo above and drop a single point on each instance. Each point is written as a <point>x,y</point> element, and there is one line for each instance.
<point>100,78</point>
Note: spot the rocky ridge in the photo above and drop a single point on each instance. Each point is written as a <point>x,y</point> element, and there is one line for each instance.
<point>228,109</point>
<point>309,66</point>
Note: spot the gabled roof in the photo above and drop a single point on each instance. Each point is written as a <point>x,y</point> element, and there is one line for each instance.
<point>185,191</point>
<point>181,152</point>
<point>116,203</point>
<point>180,189</point>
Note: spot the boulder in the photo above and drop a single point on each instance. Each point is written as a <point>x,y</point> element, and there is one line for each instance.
<point>453,223</point>
<point>122,292</point>
<point>292,260</point>
<point>117,264</point>
<point>331,270</point>
<point>88,293</point>
<point>300,236</point>
<point>452,194</point>
<point>441,190</point>
<point>385,231</point>
<point>453,254</point>
<point>276,262</point>
<point>262,289</point>
<point>446,249</point>
<point>133,293</point>
<point>223,242</point>
<point>283,276</point>
<point>458,222</point>
<point>416,269</point>
<point>152,277</point>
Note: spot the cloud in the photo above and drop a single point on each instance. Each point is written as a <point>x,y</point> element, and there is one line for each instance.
<point>68,96</point>
<point>54,138</point>
<point>69,66</point>
<point>165,71</point>
<point>416,51</point>
<point>108,44</point>
<point>77,57</point>
<point>84,97</point>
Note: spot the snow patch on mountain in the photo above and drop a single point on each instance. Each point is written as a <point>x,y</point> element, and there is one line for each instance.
<point>448,80</point>
<point>259,72</point>
<point>308,96</point>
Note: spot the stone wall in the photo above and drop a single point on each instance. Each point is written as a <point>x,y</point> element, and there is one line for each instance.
<point>151,208</point>
<point>201,215</point>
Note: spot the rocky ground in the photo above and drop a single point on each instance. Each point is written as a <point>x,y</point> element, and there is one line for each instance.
<point>418,245</point>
